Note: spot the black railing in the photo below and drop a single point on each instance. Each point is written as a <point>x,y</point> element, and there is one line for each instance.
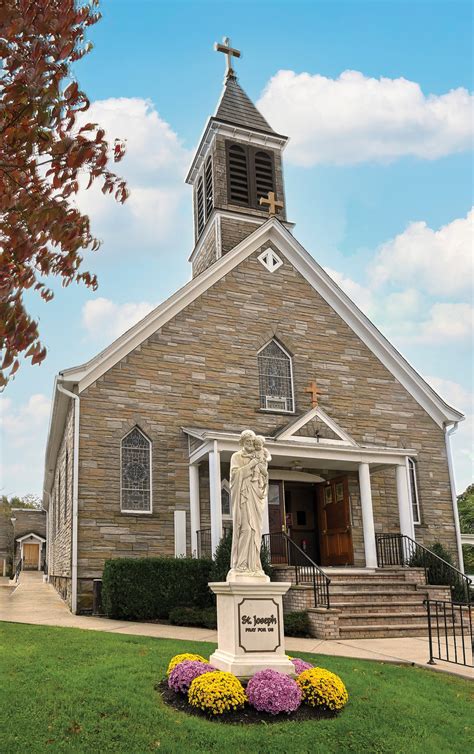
<point>283,551</point>
<point>18,568</point>
<point>450,632</point>
<point>204,541</point>
<point>400,550</point>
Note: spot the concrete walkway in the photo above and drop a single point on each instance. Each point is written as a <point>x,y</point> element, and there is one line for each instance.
<point>34,601</point>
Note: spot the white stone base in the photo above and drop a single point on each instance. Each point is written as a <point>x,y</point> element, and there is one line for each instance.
<point>250,627</point>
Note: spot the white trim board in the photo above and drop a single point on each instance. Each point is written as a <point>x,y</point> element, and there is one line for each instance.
<point>289,431</point>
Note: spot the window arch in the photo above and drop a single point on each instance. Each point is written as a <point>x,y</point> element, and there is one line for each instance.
<point>135,487</point>
<point>275,373</point>
<point>415,502</point>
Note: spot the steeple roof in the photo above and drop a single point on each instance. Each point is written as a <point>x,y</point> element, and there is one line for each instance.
<point>236,107</point>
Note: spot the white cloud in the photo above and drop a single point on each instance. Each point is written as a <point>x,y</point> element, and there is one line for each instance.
<point>104,319</point>
<point>445,323</point>
<point>360,294</point>
<point>23,437</point>
<point>154,166</point>
<point>439,261</point>
<point>354,118</point>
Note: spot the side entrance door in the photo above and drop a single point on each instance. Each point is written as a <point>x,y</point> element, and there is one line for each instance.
<point>30,556</point>
<point>277,523</point>
<point>335,523</point>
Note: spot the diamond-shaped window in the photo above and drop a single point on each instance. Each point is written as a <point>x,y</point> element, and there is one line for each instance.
<point>270,260</point>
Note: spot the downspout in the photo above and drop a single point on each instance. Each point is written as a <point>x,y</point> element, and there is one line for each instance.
<point>75,494</point>
<point>447,434</point>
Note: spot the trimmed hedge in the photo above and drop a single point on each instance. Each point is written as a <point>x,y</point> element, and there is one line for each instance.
<point>194,616</point>
<point>149,588</point>
<point>297,624</point>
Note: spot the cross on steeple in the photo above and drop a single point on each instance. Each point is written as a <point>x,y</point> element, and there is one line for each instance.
<point>230,52</point>
<point>271,203</point>
<point>315,392</point>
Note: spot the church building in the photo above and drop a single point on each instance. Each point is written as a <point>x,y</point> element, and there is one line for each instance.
<point>261,337</point>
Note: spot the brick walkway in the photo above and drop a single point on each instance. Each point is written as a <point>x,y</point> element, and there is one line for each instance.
<point>34,601</point>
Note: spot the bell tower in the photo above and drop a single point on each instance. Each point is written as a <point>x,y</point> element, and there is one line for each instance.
<point>236,173</point>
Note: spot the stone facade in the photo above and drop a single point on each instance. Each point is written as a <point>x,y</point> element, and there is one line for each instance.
<point>195,371</point>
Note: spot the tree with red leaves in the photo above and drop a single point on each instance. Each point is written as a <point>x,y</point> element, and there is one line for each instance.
<point>45,157</point>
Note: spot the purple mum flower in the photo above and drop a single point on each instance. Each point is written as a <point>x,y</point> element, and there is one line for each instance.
<point>273,692</point>
<point>183,675</point>
<point>301,665</point>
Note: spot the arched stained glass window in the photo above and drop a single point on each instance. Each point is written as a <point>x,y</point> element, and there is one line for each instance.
<point>275,378</point>
<point>136,473</point>
<point>415,502</point>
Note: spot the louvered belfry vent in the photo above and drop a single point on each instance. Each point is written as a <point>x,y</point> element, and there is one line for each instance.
<point>208,185</point>
<point>200,207</point>
<point>263,174</point>
<point>238,175</point>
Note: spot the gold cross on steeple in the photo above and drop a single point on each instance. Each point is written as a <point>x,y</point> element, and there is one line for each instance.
<point>271,203</point>
<point>230,52</point>
<point>315,392</point>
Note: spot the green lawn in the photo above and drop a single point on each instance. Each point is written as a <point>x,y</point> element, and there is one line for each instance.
<point>70,690</point>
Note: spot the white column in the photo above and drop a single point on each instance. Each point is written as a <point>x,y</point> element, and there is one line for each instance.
<point>215,496</point>
<point>367,516</point>
<point>404,505</point>
<point>194,506</point>
<point>180,534</point>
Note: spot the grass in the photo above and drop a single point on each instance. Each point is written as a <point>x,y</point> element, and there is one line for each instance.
<point>69,690</point>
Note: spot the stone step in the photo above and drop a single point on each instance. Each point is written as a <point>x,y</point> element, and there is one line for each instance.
<point>378,597</point>
<point>385,619</point>
<point>375,586</point>
<point>367,577</point>
<point>384,631</point>
<point>383,607</point>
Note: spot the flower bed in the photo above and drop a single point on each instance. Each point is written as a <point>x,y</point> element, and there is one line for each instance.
<point>194,686</point>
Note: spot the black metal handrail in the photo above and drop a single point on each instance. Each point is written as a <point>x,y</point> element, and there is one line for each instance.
<point>283,551</point>
<point>401,550</point>
<point>18,568</point>
<point>450,632</point>
<point>204,541</point>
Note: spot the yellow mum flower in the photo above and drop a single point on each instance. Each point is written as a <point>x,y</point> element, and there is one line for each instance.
<point>320,687</point>
<point>181,658</point>
<point>217,692</point>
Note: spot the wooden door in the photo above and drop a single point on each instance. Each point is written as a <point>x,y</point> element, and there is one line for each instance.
<point>30,556</point>
<point>276,522</point>
<point>335,523</point>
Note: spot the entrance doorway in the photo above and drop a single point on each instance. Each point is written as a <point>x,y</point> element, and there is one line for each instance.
<point>316,516</point>
<point>30,557</point>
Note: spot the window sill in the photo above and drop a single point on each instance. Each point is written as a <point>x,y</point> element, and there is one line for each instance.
<point>136,513</point>
<point>274,411</point>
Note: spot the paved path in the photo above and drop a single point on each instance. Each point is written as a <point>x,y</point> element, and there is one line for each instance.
<point>34,601</point>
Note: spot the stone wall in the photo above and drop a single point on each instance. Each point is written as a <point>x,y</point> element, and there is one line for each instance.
<point>200,370</point>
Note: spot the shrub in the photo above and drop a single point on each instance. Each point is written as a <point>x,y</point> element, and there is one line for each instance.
<point>193,616</point>
<point>300,665</point>
<point>148,588</point>
<point>217,693</point>
<point>297,624</point>
<point>321,688</point>
<point>438,573</point>
<point>182,658</point>
<point>221,564</point>
<point>273,692</point>
<point>185,672</point>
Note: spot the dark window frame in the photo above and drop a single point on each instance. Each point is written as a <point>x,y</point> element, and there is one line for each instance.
<point>250,152</point>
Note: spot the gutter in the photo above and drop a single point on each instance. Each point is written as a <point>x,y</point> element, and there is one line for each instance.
<point>75,493</point>
<point>457,528</point>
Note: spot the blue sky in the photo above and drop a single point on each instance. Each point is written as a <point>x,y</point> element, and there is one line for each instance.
<point>378,176</point>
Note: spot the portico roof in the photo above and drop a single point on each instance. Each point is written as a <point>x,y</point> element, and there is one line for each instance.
<point>322,453</point>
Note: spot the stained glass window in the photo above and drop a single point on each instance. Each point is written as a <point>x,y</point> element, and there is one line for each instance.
<point>276,378</point>
<point>136,472</point>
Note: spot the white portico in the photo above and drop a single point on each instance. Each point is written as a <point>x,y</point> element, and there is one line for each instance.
<point>304,463</point>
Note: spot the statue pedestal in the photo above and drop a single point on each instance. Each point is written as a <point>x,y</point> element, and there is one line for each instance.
<point>250,627</point>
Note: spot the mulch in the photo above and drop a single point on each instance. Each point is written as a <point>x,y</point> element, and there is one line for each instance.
<point>246,716</point>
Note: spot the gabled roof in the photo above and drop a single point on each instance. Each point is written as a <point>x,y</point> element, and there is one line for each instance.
<point>236,107</point>
<point>84,375</point>
<point>289,432</point>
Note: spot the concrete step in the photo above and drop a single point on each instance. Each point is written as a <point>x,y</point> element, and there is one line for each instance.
<point>377,597</point>
<point>384,631</point>
<point>366,577</point>
<point>376,586</point>
<point>360,608</point>
<point>383,619</point>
